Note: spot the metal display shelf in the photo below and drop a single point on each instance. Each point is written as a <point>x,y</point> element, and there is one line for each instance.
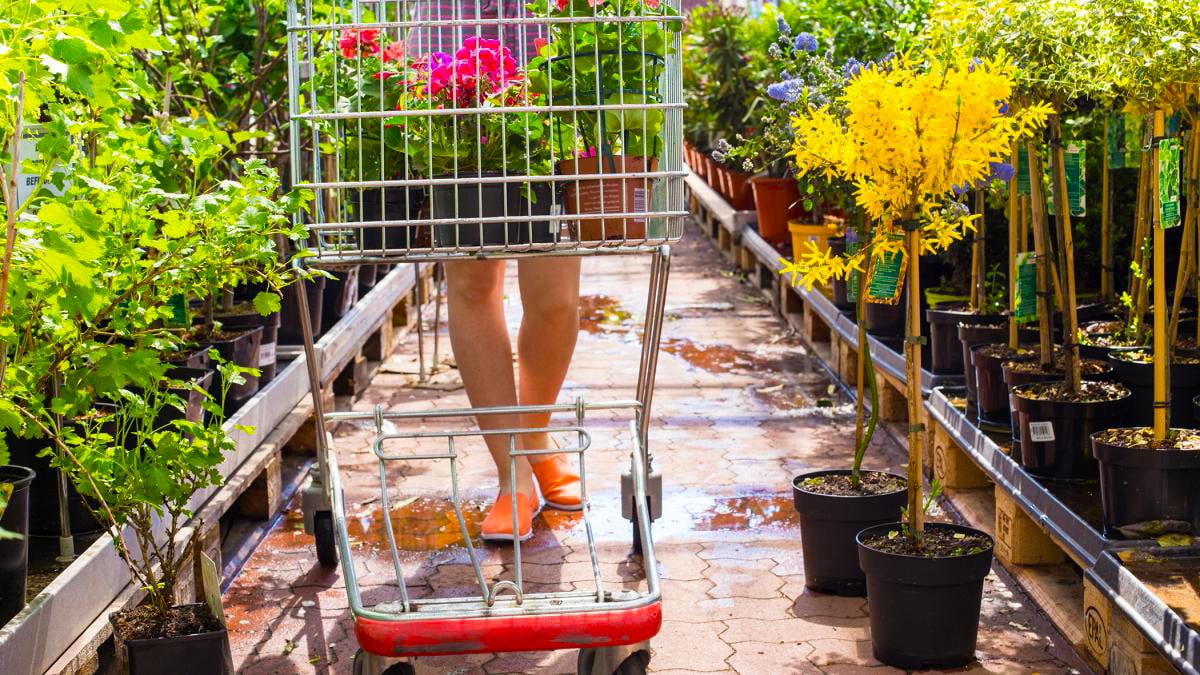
<point>1158,621</point>
<point>1082,541</point>
<point>33,640</point>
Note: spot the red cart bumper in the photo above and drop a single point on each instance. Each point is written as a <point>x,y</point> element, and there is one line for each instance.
<point>544,632</point>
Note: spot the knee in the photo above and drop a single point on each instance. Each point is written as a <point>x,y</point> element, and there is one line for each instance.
<point>553,305</point>
<point>473,286</point>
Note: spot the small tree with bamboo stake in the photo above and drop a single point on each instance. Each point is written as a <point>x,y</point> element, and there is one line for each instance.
<point>912,131</point>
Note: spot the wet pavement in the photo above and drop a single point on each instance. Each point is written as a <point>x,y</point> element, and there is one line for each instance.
<point>739,408</point>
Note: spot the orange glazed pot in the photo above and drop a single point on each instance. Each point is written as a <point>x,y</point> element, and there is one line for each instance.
<point>741,194</point>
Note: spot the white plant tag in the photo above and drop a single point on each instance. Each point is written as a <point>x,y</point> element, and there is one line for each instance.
<point>1041,432</point>
<point>266,354</point>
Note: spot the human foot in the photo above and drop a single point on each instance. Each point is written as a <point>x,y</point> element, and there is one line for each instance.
<point>498,525</point>
<point>559,483</point>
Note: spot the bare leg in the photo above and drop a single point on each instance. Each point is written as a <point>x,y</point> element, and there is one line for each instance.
<point>483,351</point>
<point>549,330</point>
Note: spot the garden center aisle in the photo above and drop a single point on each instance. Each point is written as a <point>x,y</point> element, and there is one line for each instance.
<point>739,408</point>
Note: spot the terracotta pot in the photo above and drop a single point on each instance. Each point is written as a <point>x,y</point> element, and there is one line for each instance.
<point>712,173</point>
<point>773,197</point>
<point>696,161</point>
<point>593,196</point>
<point>741,195</point>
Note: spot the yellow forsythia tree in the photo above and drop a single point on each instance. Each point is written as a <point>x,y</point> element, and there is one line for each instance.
<point>909,134</point>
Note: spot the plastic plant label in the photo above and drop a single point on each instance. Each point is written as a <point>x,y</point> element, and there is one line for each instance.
<point>1025,303</point>
<point>31,166</point>
<point>1168,183</point>
<point>885,279</point>
<point>1115,141</point>
<point>1041,432</point>
<point>179,311</point>
<point>1133,127</point>
<point>211,583</point>
<point>852,281</point>
<point>1075,158</point>
<point>1023,183</point>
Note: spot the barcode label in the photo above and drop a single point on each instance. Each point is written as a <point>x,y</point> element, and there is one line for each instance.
<point>1041,432</point>
<point>266,354</point>
<point>639,200</point>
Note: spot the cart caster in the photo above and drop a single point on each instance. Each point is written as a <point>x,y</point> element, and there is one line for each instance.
<point>364,664</point>
<point>326,545</point>
<point>608,660</point>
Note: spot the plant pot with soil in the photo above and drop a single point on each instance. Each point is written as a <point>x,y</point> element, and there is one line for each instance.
<point>1017,373</point>
<point>990,391</point>
<point>247,318</point>
<point>1149,488</point>
<point>340,296</point>
<point>240,347</point>
<point>741,193</point>
<point>471,204</point>
<point>14,550</point>
<point>979,332</point>
<point>1136,371</point>
<point>290,331</point>
<point>183,640</point>
<point>947,354</point>
<point>1056,425</point>
<point>832,512</point>
<point>924,602</point>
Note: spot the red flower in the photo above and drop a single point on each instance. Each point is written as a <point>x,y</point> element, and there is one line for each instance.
<point>393,52</point>
<point>356,43</point>
<point>539,44</point>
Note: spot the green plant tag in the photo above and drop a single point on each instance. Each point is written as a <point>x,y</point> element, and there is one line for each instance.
<point>1074,161</point>
<point>1023,183</point>
<point>1132,128</point>
<point>885,280</point>
<point>1115,141</point>
<point>1168,183</point>
<point>852,281</point>
<point>1025,303</point>
<point>179,311</point>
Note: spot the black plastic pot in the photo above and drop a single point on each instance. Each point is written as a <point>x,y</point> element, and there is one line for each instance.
<point>990,391</point>
<point>14,553</point>
<point>1098,352</point>
<point>1015,378</point>
<point>289,315</point>
<point>340,295</point>
<point>266,361</point>
<point>240,347</point>
<point>828,525</point>
<point>970,335</point>
<point>1140,486</point>
<point>394,205</point>
<point>837,247</point>
<point>887,320</point>
<point>947,354</point>
<point>195,397</point>
<point>924,611</point>
<point>1139,377</point>
<point>199,654</point>
<point>474,201</point>
<point>43,491</point>
<point>1067,454</point>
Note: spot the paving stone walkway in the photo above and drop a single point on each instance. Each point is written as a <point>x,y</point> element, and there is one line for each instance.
<point>739,409</point>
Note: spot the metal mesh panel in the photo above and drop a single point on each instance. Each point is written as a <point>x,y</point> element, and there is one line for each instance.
<point>433,129</point>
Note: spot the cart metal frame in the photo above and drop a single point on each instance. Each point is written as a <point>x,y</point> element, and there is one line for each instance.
<point>605,624</point>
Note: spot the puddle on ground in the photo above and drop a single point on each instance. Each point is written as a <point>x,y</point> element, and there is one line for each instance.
<point>750,512</point>
<point>602,314</point>
<point>713,358</point>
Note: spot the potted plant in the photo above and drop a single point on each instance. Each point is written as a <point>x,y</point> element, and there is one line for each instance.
<point>606,63</point>
<point>14,537</point>
<point>898,143</point>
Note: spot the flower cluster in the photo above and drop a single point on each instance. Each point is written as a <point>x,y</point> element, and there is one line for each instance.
<point>479,69</point>
<point>910,134</point>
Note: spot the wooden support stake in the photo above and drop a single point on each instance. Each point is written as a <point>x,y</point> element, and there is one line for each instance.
<point>1162,355</point>
<point>1041,243</point>
<point>912,357</point>
<point>1014,218</point>
<point>1066,257</point>
<point>1106,251</point>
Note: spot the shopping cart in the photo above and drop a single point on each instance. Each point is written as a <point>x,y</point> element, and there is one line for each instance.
<point>442,130</point>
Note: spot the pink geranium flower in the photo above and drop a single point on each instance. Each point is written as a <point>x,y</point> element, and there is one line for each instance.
<point>481,67</point>
<point>393,52</point>
<point>355,43</point>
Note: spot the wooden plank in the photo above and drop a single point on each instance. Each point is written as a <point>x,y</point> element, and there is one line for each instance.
<point>262,497</point>
<point>815,328</point>
<point>952,466</point>
<point>893,401</point>
<point>1019,540</point>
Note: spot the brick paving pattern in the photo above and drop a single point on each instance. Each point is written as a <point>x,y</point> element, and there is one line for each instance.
<point>739,409</point>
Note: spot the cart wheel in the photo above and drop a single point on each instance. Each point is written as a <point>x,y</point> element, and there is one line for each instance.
<point>600,661</point>
<point>326,546</point>
<point>360,662</point>
<point>637,535</point>
<point>402,668</point>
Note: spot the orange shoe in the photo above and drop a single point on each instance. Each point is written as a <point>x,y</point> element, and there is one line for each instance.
<point>559,483</point>
<point>498,526</point>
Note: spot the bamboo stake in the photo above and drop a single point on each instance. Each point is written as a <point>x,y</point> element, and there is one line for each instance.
<point>912,357</point>
<point>1141,235</point>
<point>1162,399</point>
<point>1066,255</point>
<point>978,261</point>
<point>1041,242</point>
<point>1106,252</point>
<point>1014,225</point>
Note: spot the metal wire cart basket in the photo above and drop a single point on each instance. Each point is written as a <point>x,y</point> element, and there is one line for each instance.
<point>436,130</point>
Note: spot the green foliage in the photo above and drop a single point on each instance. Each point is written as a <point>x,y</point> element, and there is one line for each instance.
<point>866,30</point>
<point>718,90</point>
<point>605,62</point>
